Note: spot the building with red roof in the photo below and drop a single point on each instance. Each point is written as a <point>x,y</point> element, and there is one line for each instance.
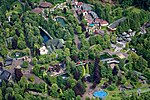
<point>79,3</point>
<point>101,21</point>
<point>37,10</point>
<point>45,4</point>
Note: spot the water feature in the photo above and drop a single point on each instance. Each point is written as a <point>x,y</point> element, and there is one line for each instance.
<point>61,21</point>
<point>100,94</point>
<point>44,35</point>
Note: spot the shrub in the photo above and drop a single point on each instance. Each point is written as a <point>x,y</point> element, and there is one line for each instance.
<point>111,87</point>
<point>25,64</point>
<point>31,78</point>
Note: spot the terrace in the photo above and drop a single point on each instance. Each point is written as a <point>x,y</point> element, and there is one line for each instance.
<point>8,61</point>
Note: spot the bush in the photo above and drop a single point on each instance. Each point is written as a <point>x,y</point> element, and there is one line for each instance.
<point>25,64</point>
<point>34,61</point>
<point>31,78</point>
<point>111,87</point>
<point>87,98</point>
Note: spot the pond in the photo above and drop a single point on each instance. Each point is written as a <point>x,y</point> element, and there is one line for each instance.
<point>44,35</point>
<point>100,94</point>
<point>61,21</point>
<point>17,54</point>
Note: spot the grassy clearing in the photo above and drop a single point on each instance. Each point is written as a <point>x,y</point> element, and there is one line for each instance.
<point>134,10</point>
<point>115,95</point>
<point>16,7</point>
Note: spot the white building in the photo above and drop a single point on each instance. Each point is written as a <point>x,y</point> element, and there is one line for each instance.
<point>43,50</point>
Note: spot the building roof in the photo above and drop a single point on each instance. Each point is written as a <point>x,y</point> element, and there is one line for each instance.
<point>5,75</point>
<point>116,23</point>
<point>101,21</point>
<point>8,61</point>
<point>9,40</point>
<point>128,39</point>
<point>1,64</point>
<point>86,7</point>
<point>79,3</point>
<point>93,14</point>
<point>122,55</point>
<point>124,33</point>
<point>97,20</point>
<point>99,32</point>
<point>127,36</point>
<point>18,74</point>
<point>37,10</point>
<point>130,30</point>
<point>60,45</point>
<point>89,21</point>
<point>1,71</point>
<point>112,65</point>
<point>51,48</point>
<point>142,77</point>
<point>56,43</point>
<point>78,12</point>
<point>45,4</point>
<point>43,50</point>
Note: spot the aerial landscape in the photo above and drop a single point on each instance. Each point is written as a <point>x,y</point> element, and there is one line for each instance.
<point>74,49</point>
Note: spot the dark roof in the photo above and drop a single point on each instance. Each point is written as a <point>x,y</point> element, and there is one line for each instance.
<point>1,64</point>
<point>18,74</point>
<point>8,61</point>
<point>45,4</point>
<point>60,45</point>
<point>93,14</point>
<point>86,7</point>
<point>37,10</point>
<point>78,12</point>
<point>117,22</point>
<point>101,21</point>
<point>50,47</point>
<point>1,71</point>
<point>99,32</point>
<point>5,75</point>
<point>55,42</point>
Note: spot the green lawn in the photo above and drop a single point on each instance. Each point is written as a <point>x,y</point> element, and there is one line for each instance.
<point>134,10</point>
<point>16,7</point>
<point>102,81</point>
<point>135,90</point>
<point>12,54</point>
<point>115,95</point>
